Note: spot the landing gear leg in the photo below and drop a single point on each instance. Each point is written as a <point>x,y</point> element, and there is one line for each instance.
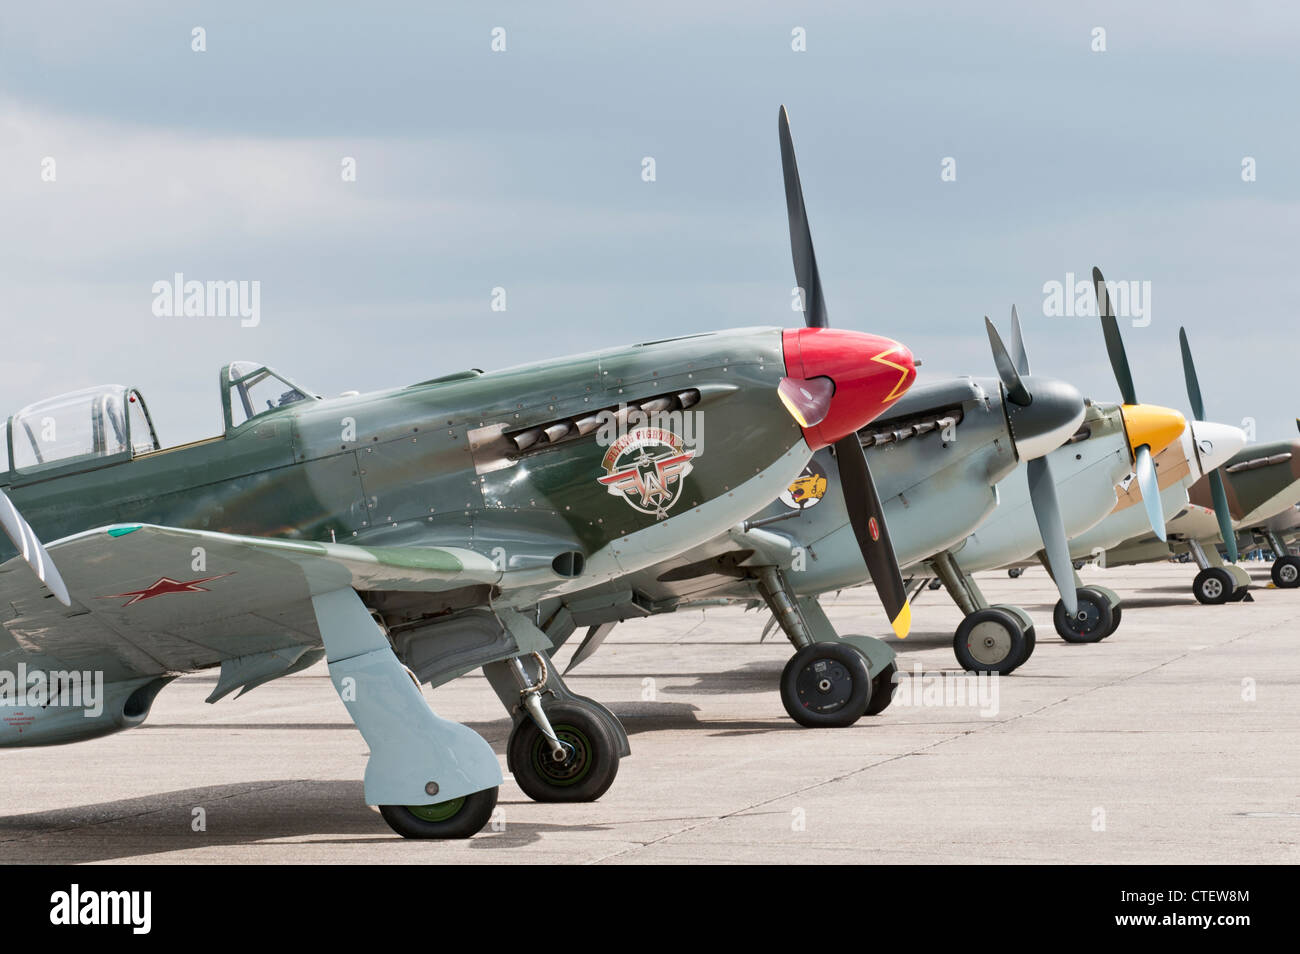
<point>562,747</point>
<point>430,778</point>
<point>990,638</point>
<point>1217,582</point>
<point>831,681</point>
<point>1286,568</point>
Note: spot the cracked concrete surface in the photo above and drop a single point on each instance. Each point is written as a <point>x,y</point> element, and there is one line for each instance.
<point>1144,748</point>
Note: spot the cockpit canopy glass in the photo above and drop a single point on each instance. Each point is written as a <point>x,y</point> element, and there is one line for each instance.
<point>102,421</point>
<point>253,389</point>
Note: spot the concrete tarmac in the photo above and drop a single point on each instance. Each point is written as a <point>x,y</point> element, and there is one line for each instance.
<point>1174,740</point>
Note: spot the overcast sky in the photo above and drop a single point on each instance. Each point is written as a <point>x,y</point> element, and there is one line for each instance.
<point>523,169</point>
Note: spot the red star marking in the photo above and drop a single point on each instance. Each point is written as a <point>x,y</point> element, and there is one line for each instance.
<point>164,586</point>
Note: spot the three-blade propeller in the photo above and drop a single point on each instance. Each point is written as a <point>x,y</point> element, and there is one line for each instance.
<point>866,515</point>
<point>1011,366</point>
<point>1217,492</point>
<point>1143,466</point>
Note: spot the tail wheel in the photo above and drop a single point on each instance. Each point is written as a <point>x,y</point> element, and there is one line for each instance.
<point>826,685</point>
<point>458,818</point>
<point>883,687</point>
<point>588,768</point>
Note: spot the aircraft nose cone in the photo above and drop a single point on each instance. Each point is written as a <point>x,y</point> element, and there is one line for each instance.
<point>1150,424</point>
<point>869,373</point>
<point>1216,444</point>
<point>1052,416</point>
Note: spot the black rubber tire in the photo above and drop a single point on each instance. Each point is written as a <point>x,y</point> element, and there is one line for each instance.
<point>588,772</point>
<point>1116,613</point>
<point>1015,571</point>
<point>826,685</point>
<point>1031,640</point>
<point>1286,572</point>
<point>979,647</point>
<point>1213,586</point>
<point>1239,594</point>
<point>1094,622</point>
<point>475,811</point>
<point>883,688</point>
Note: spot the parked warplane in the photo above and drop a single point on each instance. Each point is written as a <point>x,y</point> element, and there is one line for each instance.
<point>398,534</point>
<point>942,449</point>
<point>1237,502</point>
<point>1202,447</point>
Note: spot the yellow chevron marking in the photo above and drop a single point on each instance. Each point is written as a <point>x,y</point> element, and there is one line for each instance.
<point>898,388</point>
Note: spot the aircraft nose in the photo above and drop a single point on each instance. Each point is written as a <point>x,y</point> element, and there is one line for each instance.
<point>1049,420</point>
<point>866,374</point>
<point>1150,424</point>
<point>1216,444</point>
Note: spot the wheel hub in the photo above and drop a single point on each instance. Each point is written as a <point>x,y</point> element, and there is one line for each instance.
<point>1212,588</point>
<point>989,643</point>
<point>1289,573</point>
<point>576,762</point>
<point>824,685</point>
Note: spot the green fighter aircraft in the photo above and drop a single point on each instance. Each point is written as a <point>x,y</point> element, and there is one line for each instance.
<point>398,535</point>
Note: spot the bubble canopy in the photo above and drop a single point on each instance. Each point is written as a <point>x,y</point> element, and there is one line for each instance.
<point>111,421</point>
<point>104,421</point>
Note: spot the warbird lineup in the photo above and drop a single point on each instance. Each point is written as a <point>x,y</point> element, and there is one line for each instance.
<point>478,521</point>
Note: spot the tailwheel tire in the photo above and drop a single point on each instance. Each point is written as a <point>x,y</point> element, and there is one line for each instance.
<point>990,640</point>
<point>1015,571</point>
<point>587,771</point>
<point>826,685</point>
<point>1213,585</point>
<point>1094,621</point>
<point>883,688</point>
<point>457,818</point>
<point>1286,572</point>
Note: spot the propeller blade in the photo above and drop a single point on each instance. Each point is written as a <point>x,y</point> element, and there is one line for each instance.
<point>1018,351</point>
<point>1150,487</point>
<point>1051,527</point>
<point>20,533</point>
<point>1016,390</point>
<point>1189,375</point>
<point>868,521</point>
<point>801,246</point>
<point>1223,515</point>
<point>595,636</point>
<point>1114,341</point>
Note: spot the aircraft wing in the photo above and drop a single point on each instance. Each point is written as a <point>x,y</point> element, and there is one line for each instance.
<point>149,599</point>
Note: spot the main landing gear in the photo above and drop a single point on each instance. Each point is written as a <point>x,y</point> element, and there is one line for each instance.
<point>562,747</point>
<point>1217,582</point>
<point>1286,568</point>
<point>1098,616</point>
<point>996,639</point>
<point>831,681</point>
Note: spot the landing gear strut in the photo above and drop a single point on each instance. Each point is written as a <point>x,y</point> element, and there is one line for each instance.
<point>1217,582</point>
<point>1286,568</point>
<point>831,681</point>
<point>562,750</point>
<point>996,639</point>
<point>1096,619</point>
